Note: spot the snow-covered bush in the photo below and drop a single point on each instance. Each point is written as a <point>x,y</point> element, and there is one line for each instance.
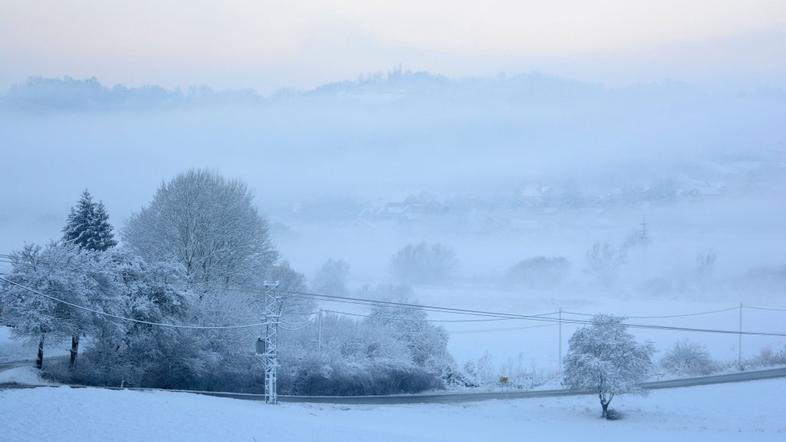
<point>687,358</point>
<point>316,375</point>
<point>354,357</point>
<point>768,357</point>
<point>604,358</point>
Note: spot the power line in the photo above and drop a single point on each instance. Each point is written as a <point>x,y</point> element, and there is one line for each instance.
<point>772,309</point>
<point>488,330</point>
<point>297,327</point>
<point>451,320</point>
<point>425,307</point>
<point>540,318</point>
<point>683,315</point>
<point>123,318</point>
<point>427,320</point>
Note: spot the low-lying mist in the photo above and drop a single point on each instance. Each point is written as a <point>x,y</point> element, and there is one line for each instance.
<point>500,170</point>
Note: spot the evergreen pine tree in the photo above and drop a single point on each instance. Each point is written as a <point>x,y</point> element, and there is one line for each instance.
<point>88,225</point>
<point>88,228</point>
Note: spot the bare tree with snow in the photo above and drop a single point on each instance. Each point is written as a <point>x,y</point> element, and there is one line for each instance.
<point>604,357</point>
<point>206,223</point>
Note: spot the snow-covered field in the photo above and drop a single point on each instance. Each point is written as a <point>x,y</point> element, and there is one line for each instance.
<point>751,411</point>
<point>25,375</point>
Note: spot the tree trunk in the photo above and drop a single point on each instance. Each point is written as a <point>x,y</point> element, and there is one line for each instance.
<point>39,360</point>
<point>605,400</point>
<point>74,350</point>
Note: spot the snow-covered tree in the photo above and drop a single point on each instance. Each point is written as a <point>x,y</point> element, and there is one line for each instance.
<point>331,278</point>
<point>143,354</point>
<point>424,263</point>
<point>88,225</point>
<point>59,270</point>
<point>427,343</point>
<point>605,358</point>
<point>485,369</point>
<point>206,223</point>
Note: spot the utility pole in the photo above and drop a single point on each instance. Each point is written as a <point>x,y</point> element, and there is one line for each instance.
<point>559,345</point>
<point>269,340</point>
<point>739,343</point>
<point>645,240</point>
<point>319,332</point>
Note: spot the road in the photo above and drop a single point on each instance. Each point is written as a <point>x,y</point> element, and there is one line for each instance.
<point>13,364</point>
<point>447,398</point>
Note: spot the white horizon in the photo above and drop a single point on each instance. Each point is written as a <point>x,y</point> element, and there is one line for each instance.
<point>267,46</point>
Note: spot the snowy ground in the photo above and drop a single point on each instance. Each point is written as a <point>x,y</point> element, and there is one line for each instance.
<point>26,375</point>
<point>749,411</point>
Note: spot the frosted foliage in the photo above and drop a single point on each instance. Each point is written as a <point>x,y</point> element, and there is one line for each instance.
<point>427,343</point>
<point>207,224</point>
<point>604,358</point>
<point>59,270</point>
<point>687,358</point>
<point>88,225</point>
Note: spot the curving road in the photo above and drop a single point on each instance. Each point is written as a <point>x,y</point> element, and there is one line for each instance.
<point>446,398</point>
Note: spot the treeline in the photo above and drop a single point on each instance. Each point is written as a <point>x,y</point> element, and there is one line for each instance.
<point>161,308</point>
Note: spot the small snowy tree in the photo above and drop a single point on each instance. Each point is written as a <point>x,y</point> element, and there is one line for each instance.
<point>88,225</point>
<point>332,277</point>
<point>605,358</point>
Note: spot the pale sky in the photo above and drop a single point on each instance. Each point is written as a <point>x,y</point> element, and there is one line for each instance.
<point>270,44</point>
